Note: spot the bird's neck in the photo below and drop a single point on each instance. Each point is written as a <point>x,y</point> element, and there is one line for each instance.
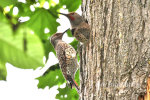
<point>75,24</point>
<point>56,42</point>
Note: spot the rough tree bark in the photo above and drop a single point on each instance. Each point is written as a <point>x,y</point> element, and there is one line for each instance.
<point>116,63</point>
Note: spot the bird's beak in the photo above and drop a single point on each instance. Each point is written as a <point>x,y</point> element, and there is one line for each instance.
<point>63,14</point>
<point>65,31</point>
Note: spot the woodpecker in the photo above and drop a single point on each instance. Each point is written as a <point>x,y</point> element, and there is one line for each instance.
<point>80,27</point>
<point>66,55</point>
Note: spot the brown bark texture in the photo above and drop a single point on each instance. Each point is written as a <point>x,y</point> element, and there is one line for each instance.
<point>115,65</point>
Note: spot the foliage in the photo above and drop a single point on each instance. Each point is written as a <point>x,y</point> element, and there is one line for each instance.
<point>51,77</point>
<point>3,71</point>
<point>67,93</point>
<point>54,73</point>
<point>11,49</point>
<point>24,44</point>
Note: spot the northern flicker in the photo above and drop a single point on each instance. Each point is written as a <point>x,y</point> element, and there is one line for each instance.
<point>67,58</point>
<point>80,28</point>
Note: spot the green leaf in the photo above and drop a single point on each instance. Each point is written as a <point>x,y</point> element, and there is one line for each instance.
<point>24,9</point>
<point>54,9</point>
<point>53,76</point>
<point>31,1</point>
<point>48,48</point>
<point>2,17</point>
<point>69,33</point>
<point>3,71</point>
<point>12,48</point>
<point>5,3</point>
<point>77,78</point>
<point>71,5</point>
<point>74,43</point>
<point>71,94</point>
<point>40,20</point>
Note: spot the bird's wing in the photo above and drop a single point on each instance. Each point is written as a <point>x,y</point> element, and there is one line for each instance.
<point>60,51</point>
<point>85,29</point>
<point>67,57</point>
<point>70,52</point>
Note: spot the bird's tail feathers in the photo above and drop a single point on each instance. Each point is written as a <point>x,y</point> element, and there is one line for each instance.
<point>73,83</point>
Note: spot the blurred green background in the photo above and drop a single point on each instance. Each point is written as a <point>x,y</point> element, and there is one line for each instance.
<point>24,44</point>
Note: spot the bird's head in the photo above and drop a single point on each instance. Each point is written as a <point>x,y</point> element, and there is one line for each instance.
<point>56,37</point>
<point>75,19</point>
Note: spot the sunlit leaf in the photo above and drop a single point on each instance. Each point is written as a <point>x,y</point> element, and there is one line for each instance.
<point>53,76</point>
<point>3,71</point>
<point>2,17</point>
<point>12,48</point>
<point>5,3</point>
<point>40,20</point>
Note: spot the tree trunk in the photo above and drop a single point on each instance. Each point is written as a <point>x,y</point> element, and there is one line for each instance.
<point>115,65</point>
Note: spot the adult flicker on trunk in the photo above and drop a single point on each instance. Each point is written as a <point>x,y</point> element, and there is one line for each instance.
<point>67,58</point>
<point>80,28</point>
